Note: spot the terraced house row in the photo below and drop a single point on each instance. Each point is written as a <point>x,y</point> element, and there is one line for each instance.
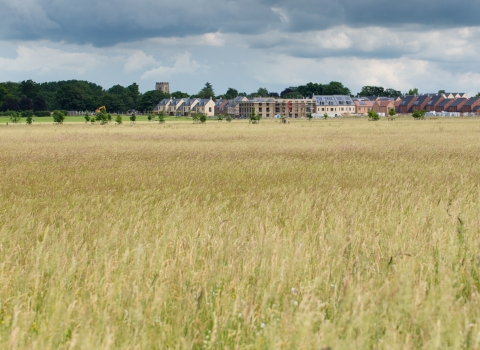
<point>267,107</point>
<point>318,106</point>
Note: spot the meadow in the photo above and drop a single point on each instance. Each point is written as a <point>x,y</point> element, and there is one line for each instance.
<point>336,234</point>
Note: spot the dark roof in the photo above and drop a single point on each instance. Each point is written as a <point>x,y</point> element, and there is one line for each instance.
<point>420,100</point>
<point>445,102</point>
<point>458,102</point>
<point>471,101</point>
<point>203,102</point>
<point>407,99</point>
<point>164,101</point>
<point>434,100</point>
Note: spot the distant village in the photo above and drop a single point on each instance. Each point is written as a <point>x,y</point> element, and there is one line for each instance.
<point>442,104</point>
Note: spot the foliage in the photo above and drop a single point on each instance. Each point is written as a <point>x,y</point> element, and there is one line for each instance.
<point>219,117</point>
<point>419,114</point>
<point>231,94</point>
<point>39,104</point>
<point>379,91</point>
<point>325,116</point>
<point>413,91</point>
<point>58,117</point>
<point>202,118</point>
<point>102,117</point>
<point>161,117</point>
<point>29,119</point>
<point>133,117</point>
<point>392,112</point>
<point>309,116</point>
<point>25,104</point>
<point>42,113</point>
<point>196,117</point>
<point>27,113</point>
<point>118,119</point>
<point>206,92</point>
<point>441,91</point>
<point>150,117</point>
<point>372,115</point>
<point>29,88</point>
<point>10,105</point>
<point>228,118</point>
<point>262,92</point>
<point>87,117</point>
<point>179,94</point>
<point>149,100</point>
<point>15,117</point>
<point>255,117</point>
<point>332,88</point>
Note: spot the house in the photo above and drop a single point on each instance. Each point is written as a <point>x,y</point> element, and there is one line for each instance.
<point>220,106</point>
<point>163,106</point>
<point>363,106</point>
<point>333,105</point>
<point>174,106</point>
<point>233,106</point>
<point>205,107</point>
<point>457,105</point>
<point>187,106</point>
<point>270,107</point>
<point>421,102</point>
<point>434,101</point>
<point>406,105</point>
<point>469,106</point>
<point>383,106</point>
<point>442,106</point>
<point>476,110</point>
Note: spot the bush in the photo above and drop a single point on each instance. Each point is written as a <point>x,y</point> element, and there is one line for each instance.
<point>325,116</point>
<point>30,119</point>
<point>309,116</point>
<point>28,113</point>
<point>15,117</point>
<point>219,117</point>
<point>228,118</point>
<point>102,117</point>
<point>119,119</point>
<point>419,114</point>
<point>203,118</point>
<point>87,117</point>
<point>161,117</point>
<point>43,114</point>
<point>373,116</point>
<point>58,117</point>
<point>133,118</point>
<point>255,117</point>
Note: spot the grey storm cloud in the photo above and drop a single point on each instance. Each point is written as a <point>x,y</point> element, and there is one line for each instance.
<point>109,22</point>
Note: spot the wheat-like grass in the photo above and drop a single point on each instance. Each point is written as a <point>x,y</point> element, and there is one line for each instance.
<point>343,234</point>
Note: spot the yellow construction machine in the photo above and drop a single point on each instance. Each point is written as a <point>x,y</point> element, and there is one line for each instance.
<point>100,108</point>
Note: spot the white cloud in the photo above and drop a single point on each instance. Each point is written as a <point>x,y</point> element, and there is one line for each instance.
<point>45,59</point>
<point>183,65</point>
<point>137,61</point>
<point>281,14</point>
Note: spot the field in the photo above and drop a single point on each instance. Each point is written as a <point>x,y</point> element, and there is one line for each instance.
<point>339,234</point>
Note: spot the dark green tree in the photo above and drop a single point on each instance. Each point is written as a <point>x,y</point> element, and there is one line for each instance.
<point>179,94</point>
<point>372,115</point>
<point>58,117</point>
<point>413,91</point>
<point>231,94</point>
<point>39,104</point>
<point>29,88</point>
<point>25,104</point>
<point>207,91</point>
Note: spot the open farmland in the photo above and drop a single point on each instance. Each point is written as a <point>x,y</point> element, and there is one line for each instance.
<point>341,233</point>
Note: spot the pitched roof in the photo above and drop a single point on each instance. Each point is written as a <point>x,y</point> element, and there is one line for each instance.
<point>407,99</point>
<point>445,102</point>
<point>471,101</point>
<point>458,102</point>
<point>434,100</point>
<point>420,100</point>
<point>363,103</point>
<point>383,103</point>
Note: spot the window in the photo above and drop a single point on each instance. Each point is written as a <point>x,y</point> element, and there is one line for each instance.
<point>268,115</point>
<point>209,109</point>
<point>260,109</point>
<point>268,109</point>
<point>277,110</point>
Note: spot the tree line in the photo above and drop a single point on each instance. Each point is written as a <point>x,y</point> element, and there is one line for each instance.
<point>79,95</point>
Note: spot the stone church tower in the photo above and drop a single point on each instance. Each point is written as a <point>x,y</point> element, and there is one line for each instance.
<point>165,87</point>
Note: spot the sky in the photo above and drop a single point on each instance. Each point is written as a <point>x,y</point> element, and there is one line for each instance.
<point>244,44</point>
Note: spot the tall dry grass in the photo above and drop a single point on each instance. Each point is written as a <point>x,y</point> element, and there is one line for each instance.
<point>343,234</point>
